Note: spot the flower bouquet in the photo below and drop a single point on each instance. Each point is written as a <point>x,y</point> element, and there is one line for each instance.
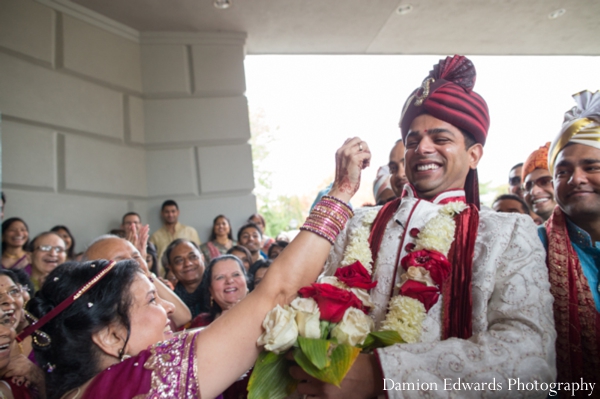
<point>328,326</point>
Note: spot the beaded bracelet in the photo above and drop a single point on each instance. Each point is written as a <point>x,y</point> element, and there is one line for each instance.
<point>328,218</point>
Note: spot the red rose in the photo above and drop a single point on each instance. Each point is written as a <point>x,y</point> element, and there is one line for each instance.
<point>355,275</point>
<point>437,264</point>
<point>332,301</point>
<point>419,291</point>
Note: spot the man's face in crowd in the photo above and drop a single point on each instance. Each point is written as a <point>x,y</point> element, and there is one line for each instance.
<point>398,175</point>
<point>251,239</point>
<point>170,214</point>
<point>539,192</point>
<point>508,206</point>
<point>130,221</point>
<point>577,181</point>
<point>436,157</point>
<point>514,181</point>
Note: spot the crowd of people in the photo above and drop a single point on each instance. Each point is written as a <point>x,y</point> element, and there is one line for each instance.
<point>201,281</point>
<point>518,301</point>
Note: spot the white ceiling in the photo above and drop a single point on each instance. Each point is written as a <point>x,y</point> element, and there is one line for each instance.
<point>374,27</point>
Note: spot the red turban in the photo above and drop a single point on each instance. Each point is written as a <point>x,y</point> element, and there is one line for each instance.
<point>447,94</point>
<point>536,160</point>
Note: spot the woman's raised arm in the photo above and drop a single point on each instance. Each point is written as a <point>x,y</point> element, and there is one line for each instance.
<point>227,348</point>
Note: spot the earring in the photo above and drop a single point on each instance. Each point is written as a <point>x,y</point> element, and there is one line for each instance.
<point>123,355</point>
<point>211,301</point>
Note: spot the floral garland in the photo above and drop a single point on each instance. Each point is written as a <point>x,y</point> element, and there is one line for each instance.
<point>328,324</point>
<point>426,268</point>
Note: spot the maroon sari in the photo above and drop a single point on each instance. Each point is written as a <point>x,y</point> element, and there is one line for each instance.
<point>166,369</point>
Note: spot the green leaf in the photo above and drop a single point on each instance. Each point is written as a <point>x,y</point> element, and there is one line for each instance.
<point>270,378</point>
<point>381,339</point>
<point>325,329</point>
<point>316,351</point>
<point>342,358</point>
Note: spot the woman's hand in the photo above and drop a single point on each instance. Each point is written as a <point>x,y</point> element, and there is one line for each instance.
<point>350,160</point>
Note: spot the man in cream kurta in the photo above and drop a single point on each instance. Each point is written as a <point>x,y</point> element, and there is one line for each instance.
<point>513,330</point>
<point>500,322</point>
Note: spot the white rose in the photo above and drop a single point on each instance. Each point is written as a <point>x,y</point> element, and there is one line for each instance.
<point>354,327</point>
<point>307,317</point>
<point>363,295</point>
<point>280,328</point>
<point>332,280</point>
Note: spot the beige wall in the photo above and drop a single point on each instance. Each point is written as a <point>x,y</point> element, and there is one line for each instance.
<point>98,120</point>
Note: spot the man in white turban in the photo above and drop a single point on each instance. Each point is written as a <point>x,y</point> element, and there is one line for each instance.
<point>572,239</point>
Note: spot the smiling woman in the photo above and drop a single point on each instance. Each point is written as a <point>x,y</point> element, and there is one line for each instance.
<point>8,389</point>
<point>103,330</point>
<point>15,239</point>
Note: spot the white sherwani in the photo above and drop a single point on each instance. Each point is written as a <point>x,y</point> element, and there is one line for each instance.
<point>513,327</point>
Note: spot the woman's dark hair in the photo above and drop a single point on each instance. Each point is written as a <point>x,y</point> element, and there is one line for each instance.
<point>214,308</point>
<point>72,354</point>
<point>280,244</point>
<point>71,249</point>
<point>6,225</point>
<point>11,275</point>
<point>258,216</point>
<point>167,255</point>
<point>18,276</point>
<point>248,226</point>
<point>151,250</point>
<point>259,264</point>
<point>213,235</point>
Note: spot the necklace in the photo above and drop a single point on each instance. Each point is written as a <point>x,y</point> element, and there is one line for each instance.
<point>11,256</point>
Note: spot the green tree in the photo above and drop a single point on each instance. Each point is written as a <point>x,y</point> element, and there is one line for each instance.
<point>281,213</point>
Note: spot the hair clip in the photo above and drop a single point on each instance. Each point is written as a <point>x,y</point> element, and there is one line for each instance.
<point>55,279</point>
<point>90,304</point>
<point>50,367</point>
<point>41,339</point>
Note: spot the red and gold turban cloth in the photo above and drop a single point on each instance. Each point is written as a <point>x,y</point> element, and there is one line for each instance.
<point>581,125</point>
<point>536,160</point>
<point>447,94</point>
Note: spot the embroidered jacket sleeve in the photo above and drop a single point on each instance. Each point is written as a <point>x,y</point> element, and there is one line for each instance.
<point>513,328</point>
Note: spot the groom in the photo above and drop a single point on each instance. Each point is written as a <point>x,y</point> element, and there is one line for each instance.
<point>492,320</point>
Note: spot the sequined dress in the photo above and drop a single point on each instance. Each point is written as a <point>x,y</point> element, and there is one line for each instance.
<point>166,370</point>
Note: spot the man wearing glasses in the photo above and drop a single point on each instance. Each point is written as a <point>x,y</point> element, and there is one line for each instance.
<point>538,190</point>
<point>48,251</point>
<point>514,180</point>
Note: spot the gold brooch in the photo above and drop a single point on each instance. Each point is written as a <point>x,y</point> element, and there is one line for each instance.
<point>425,86</point>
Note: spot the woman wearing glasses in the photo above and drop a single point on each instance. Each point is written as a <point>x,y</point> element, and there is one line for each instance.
<point>21,356</point>
<point>186,263</point>
<point>48,250</point>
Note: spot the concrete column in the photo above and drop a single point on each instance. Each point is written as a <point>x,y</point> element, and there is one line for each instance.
<point>98,120</point>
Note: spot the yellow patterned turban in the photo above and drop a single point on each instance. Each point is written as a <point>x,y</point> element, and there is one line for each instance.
<point>581,125</point>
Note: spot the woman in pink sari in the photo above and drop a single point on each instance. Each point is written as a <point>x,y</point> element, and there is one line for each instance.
<point>104,333</point>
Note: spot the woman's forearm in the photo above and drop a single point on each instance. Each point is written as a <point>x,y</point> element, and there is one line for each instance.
<point>227,348</point>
